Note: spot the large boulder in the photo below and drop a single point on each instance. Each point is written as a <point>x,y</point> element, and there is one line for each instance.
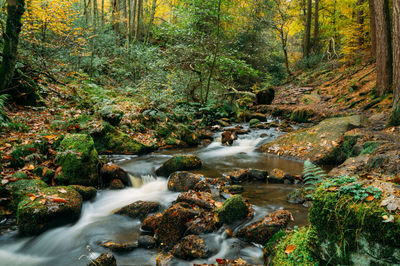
<point>183,181</point>
<point>173,224</point>
<point>191,247</point>
<point>18,190</point>
<point>202,199</point>
<point>324,143</point>
<point>261,231</point>
<point>78,161</point>
<point>53,206</point>
<point>244,175</point>
<point>139,209</point>
<point>151,223</point>
<point>179,163</point>
<point>233,209</point>
<point>87,193</point>
<point>112,115</point>
<point>110,172</point>
<point>265,97</point>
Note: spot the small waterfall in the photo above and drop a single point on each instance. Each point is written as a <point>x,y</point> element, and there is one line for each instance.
<point>137,182</point>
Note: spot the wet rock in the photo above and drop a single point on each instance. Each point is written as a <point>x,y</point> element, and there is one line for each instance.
<point>262,126</point>
<point>243,175</point>
<point>223,123</point>
<point>202,199</point>
<point>78,160</point>
<point>183,181</point>
<point>258,175</point>
<point>228,137</point>
<point>152,222</point>
<point>261,231</point>
<point>234,189</point>
<point>296,197</point>
<point>265,97</point>
<point>191,247</point>
<point>173,224</point>
<point>259,116</point>
<point>179,163</point>
<point>19,189</point>
<point>188,136</point>
<point>87,193</point>
<point>112,115</point>
<point>139,209</point>
<point>110,172</point>
<point>147,242</point>
<point>206,135</point>
<point>254,123</point>
<point>204,224</point>
<point>277,176</point>
<point>106,259</point>
<point>54,206</point>
<point>233,209</point>
<point>118,247</point>
<point>203,185</point>
<point>117,184</point>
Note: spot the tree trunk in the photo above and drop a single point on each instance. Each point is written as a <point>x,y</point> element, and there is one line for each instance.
<point>102,13</point>
<point>383,47</point>
<point>15,11</point>
<point>125,14</point>
<point>134,10</point>
<point>153,14</point>
<point>307,36</point>
<point>115,15</point>
<point>128,30</point>
<point>138,33</point>
<point>95,10</point>
<point>373,26</point>
<point>395,118</point>
<point>316,27</point>
<point>360,22</point>
<point>284,49</point>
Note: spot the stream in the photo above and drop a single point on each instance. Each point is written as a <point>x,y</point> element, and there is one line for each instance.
<point>78,243</point>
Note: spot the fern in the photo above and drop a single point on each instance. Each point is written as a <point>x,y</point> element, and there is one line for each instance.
<point>313,176</point>
<point>4,120</point>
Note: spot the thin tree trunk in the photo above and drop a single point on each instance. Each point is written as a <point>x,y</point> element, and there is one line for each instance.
<point>316,27</point>
<point>373,27</point>
<point>153,14</point>
<point>134,10</point>
<point>102,13</point>
<point>115,15</point>
<point>95,11</point>
<point>360,22</point>
<point>15,11</point>
<point>395,118</point>
<point>307,35</point>
<point>383,47</point>
<point>139,22</point>
<point>125,14</point>
<point>128,30</point>
<point>284,49</point>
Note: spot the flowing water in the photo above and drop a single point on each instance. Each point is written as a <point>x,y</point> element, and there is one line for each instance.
<point>78,243</point>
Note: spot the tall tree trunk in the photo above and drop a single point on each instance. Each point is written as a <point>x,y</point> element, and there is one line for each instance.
<point>307,35</point>
<point>125,14</point>
<point>15,11</point>
<point>95,16</point>
<point>383,47</point>
<point>360,22</point>
<point>373,26</point>
<point>316,27</point>
<point>102,13</point>
<point>153,14</point>
<point>115,15</point>
<point>134,10</point>
<point>138,33</point>
<point>395,118</point>
<point>128,30</point>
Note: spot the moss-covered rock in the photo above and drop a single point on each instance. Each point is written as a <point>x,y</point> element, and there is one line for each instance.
<point>54,206</point>
<point>354,232</point>
<point>301,115</point>
<point>20,175</point>
<point>79,161</point>
<point>190,137</point>
<point>46,174</point>
<point>87,193</point>
<point>19,189</point>
<point>232,210</point>
<point>19,153</point>
<point>112,115</point>
<point>293,250</point>
<point>254,122</point>
<point>179,163</point>
<point>323,143</point>
<point>114,141</point>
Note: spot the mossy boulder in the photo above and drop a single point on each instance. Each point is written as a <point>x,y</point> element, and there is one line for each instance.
<point>347,231</point>
<point>112,115</point>
<point>233,209</point>
<point>324,143</point>
<point>113,141</point>
<point>254,122</point>
<point>54,206</point>
<point>19,189</point>
<point>87,193</point>
<point>179,163</point>
<point>20,153</point>
<point>46,174</point>
<point>301,115</point>
<point>79,161</point>
<point>20,175</point>
<point>187,135</point>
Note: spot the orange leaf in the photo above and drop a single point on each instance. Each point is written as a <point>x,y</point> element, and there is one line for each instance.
<point>370,198</point>
<point>290,249</point>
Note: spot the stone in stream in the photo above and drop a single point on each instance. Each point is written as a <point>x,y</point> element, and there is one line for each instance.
<point>87,193</point>
<point>202,199</point>
<point>151,223</point>
<point>183,181</point>
<point>206,223</point>
<point>277,176</point>
<point>53,206</point>
<point>173,224</point>
<point>110,172</point>
<point>191,247</point>
<point>147,242</point>
<point>254,123</point>
<point>117,184</point>
<point>78,161</point>
<point>259,116</point>
<point>234,189</point>
<point>244,175</point>
<point>203,185</point>
<point>261,231</point>
<point>139,209</point>
<point>179,163</point>
<point>118,247</point>
<point>296,197</point>
<point>228,137</point>
<point>105,259</point>
<point>233,209</point>
<point>265,97</point>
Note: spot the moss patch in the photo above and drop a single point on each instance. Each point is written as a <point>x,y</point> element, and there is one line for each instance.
<point>232,210</point>
<point>19,189</point>
<point>179,163</point>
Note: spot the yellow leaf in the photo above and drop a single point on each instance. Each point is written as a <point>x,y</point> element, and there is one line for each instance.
<point>290,249</point>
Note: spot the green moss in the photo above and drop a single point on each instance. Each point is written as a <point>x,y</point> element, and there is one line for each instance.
<point>369,147</point>
<point>301,255</point>
<point>340,222</point>
<point>37,215</point>
<point>254,122</point>
<point>179,163</point>
<point>394,119</point>
<point>114,141</point>
<point>112,115</point>
<point>87,193</point>
<point>190,137</point>
<point>78,158</point>
<point>19,189</point>
<point>343,151</point>
<point>20,175</point>
<point>300,115</point>
<point>20,152</point>
<point>232,210</point>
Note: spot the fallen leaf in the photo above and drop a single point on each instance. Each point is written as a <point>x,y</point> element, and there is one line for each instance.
<point>370,198</point>
<point>62,191</point>
<point>290,249</point>
<point>59,200</point>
